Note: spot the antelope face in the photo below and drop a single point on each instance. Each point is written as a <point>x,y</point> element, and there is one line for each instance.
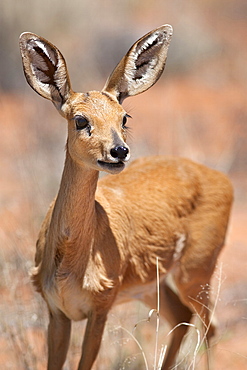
<point>97,131</point>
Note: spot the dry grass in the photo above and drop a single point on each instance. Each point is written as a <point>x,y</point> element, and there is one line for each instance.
<point>133,338</point>
<point>199,112</point>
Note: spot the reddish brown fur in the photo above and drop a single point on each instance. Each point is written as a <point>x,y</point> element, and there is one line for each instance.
<point>100,240</point>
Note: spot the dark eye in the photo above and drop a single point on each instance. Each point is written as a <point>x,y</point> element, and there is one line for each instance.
<point>81,123</point>
<point>125,120</point>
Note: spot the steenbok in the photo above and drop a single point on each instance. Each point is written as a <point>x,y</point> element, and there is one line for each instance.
<point>100,240</point>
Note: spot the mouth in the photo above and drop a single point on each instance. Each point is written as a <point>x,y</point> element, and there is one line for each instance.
<point>111,166</point>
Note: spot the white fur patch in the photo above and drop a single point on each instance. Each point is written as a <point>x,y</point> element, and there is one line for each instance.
<point>180,244</point>
<point>148,43</point>
<point>42,46</point>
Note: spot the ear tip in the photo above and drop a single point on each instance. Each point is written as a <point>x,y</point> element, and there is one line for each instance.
<point>24,36</point>
<point>167,28</point>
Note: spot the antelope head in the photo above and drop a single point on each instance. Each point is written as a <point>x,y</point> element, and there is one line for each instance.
<point>96,120</point>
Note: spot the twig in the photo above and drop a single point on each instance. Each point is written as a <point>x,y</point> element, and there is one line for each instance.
<point>158,314</point>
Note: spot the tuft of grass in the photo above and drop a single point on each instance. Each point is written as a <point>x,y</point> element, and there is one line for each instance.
<point>190,354</point>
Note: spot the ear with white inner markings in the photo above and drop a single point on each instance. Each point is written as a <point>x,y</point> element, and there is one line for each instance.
<point>142,66</point>
<point>45,68</point>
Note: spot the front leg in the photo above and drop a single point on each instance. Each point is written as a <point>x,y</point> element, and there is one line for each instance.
<point>58,340</point>
<point>92,339</point>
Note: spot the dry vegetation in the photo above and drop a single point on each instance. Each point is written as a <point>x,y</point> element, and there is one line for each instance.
<point>198,110</point>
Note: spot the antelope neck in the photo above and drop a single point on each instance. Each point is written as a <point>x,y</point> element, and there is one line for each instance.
<point>74,211</point>
<point>72,225</point>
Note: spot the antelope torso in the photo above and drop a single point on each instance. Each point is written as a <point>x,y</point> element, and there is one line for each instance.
<point>136,230</point>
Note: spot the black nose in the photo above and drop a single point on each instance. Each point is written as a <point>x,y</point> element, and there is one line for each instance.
<point>119,152</point>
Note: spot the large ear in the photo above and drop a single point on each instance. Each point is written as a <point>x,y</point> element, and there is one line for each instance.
<point>142,66</point>
<point>45,68</point>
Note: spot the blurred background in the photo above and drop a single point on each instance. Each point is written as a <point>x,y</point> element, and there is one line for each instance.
<point>198,109</point>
